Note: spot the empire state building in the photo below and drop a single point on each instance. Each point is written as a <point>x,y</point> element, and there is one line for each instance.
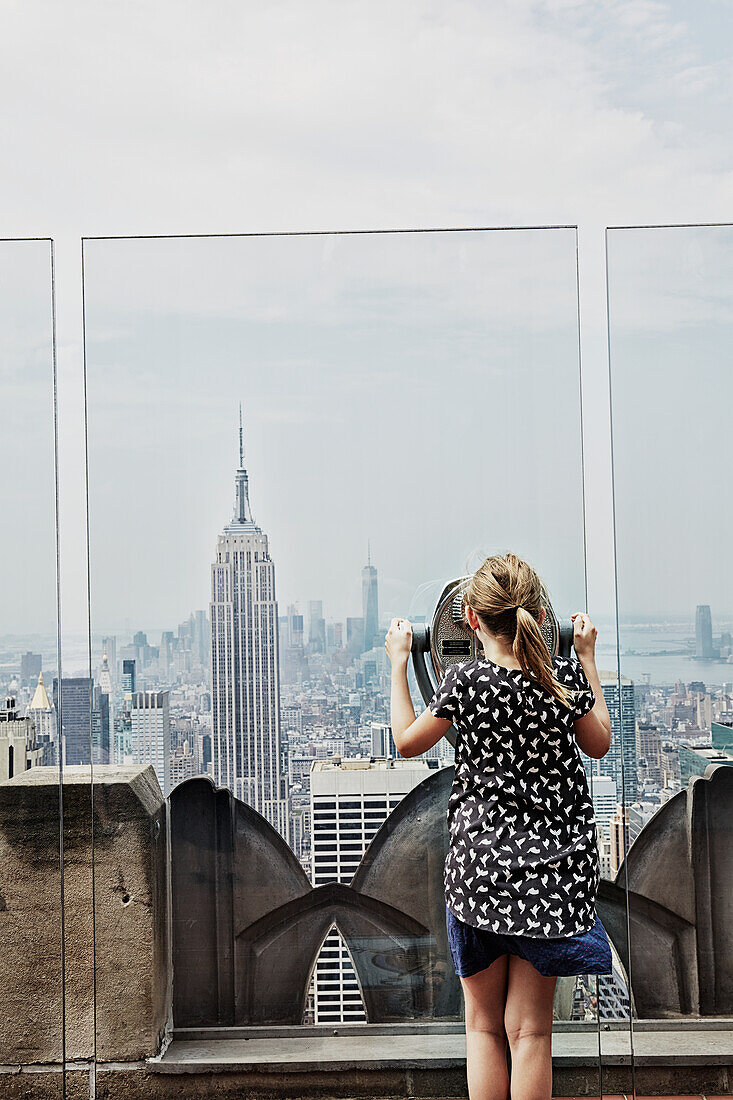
<point>245,663</point>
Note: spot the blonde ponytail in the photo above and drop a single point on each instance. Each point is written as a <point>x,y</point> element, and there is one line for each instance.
<point>507,595</point>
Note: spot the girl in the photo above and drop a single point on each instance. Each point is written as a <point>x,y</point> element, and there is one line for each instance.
<point>522,869</point>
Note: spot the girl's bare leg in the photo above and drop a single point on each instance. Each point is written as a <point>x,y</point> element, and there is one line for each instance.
<point>484,995</point>
<point>528,1024</point>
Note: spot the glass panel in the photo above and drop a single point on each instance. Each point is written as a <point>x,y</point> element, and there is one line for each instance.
<point>291,440</point>
<point>671,331</point>
<point>31,909</point>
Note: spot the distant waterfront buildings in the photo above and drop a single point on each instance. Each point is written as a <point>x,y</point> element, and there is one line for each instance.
<point>30,667</point>
<point>704,632</point>
<point>245,663</point>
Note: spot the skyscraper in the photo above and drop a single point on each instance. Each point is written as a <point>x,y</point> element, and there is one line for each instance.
<point>30,667</point>
<point>245,662</point>
<point>109,646</point>
<point>316,627</point>
<point>703,631</point>
<point>620,762</point>
<point>19,746</point>
<point>150,733</point>
<point>369,602</point>
<point>76,731</point>
<point>129,677</point>
<point>42,713</point>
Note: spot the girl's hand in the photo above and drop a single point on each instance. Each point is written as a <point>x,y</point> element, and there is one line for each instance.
<point>584,635</point>
<point>398,641</point>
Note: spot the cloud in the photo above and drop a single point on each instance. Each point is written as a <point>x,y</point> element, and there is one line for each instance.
<point>225,116</point>
<point>183,117</point>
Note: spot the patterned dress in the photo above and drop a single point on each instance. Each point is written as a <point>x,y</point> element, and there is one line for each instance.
<point>523,858</point>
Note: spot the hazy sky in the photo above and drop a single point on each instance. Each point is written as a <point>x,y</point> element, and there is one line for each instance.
<point>222,117</point>
<point>417,390</point>
<point>27,546</point>
<point>671,294</point>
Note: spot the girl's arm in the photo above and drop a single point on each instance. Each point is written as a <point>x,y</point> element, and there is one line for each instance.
<point>593,730</point>
<point>412,735</point>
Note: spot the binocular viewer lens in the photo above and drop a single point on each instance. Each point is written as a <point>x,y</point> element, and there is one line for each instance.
<point>448,640</point>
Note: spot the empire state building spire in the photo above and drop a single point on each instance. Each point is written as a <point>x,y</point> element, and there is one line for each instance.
<point>242,518</point>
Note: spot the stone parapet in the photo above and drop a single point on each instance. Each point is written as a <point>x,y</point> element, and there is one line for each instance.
<point>115,927</point>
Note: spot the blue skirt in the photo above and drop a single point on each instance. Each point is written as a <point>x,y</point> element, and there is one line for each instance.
<point>473,949</point>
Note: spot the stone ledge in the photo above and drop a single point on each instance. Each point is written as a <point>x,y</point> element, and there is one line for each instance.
<point>434,1051</point>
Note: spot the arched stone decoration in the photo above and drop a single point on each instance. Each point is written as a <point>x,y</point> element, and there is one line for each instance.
<point>247,925</point>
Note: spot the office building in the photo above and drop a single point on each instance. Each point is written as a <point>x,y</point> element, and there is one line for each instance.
<point>76,718</point>
<point>694,760</point>
<point>30,667</point>
<point>383,743</point>
<point>42,713</point>
<point>291,718</point>
<point>613,994</point>
<point>245,663</point>
<point>19,746</point>
<point>624,827</point>
<point>300,827</point>
<point>295,628</point>
<point>150,733</point>
<point>350,800</point>
<point>649,748</point>
<point>109,646</point>
<point>605,800</point>
<point>722,735</point>
<point>704,631</point>
<point>200,638</point>
<point>183,764</point>
<point>355,636</point>
<point>299,769</point>
<point>620,762</point>
<point>102,750</point>
<point>129,676</point>
<point>316,627</point>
